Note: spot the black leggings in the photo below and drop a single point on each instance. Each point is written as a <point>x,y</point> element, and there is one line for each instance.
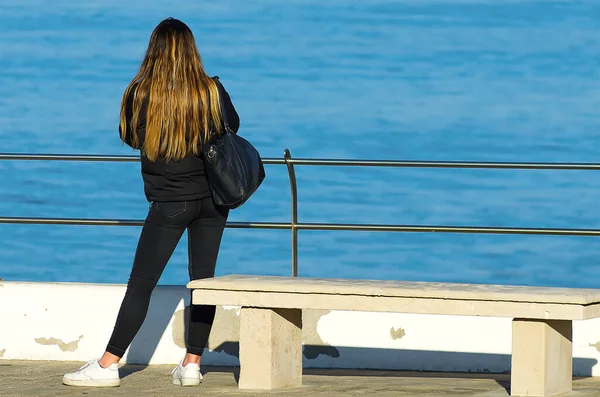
<point>163,228</point>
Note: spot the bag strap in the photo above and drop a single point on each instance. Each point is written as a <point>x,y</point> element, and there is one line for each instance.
<point>222,105</point>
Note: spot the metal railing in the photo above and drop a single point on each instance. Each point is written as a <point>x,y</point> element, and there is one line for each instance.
<point>294,225</point>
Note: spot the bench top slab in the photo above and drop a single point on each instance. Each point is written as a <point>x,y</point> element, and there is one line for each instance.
<point>400,289</point>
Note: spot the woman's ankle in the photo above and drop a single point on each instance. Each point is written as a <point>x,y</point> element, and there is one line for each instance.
<point>191,358</point>
<point>108,359</point>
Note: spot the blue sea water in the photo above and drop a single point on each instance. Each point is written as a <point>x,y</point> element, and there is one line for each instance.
<point>482,80</point>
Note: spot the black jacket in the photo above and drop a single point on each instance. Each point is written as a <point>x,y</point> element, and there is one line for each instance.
<point>175,180</point>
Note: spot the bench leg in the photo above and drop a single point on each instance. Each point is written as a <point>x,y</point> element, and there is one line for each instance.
<point>270,348</point>
<point>542,357</point>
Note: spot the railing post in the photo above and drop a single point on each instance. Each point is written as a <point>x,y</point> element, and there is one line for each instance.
<point>294,190</point>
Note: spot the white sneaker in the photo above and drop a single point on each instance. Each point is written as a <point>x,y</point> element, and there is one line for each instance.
<point>93,375</point>
<point>187,376</point>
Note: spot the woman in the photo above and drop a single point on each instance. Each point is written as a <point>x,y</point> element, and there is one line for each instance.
<point>170,108</point>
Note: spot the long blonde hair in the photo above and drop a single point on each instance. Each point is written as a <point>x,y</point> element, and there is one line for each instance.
<point>183,101</point>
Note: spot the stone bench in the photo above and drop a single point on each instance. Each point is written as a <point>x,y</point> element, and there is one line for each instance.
<point>271,321</point>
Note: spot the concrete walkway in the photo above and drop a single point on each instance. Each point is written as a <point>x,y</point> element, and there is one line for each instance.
<point>42,379</point>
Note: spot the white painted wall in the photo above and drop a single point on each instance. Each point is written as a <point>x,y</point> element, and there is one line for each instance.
<point>69,321</point>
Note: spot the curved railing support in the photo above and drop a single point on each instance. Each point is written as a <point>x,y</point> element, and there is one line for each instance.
<point>287,156</point>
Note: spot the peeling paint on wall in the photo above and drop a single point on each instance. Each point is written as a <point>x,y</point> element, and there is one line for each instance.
<point>178,328</point>
<point>314,346</point>
<point>2,352</point>
<point>596,346</point>
<point>397,333</point>
<point>66,347</point>
<point>225,335</point>
<point>236,308</point>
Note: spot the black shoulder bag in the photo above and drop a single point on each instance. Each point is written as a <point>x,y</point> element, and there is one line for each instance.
<point>233,166</point>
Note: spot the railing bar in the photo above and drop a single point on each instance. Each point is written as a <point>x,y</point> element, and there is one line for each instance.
<point>69,157</point>
<point>322,226</point>
<point>447,164</point>
<point>85,157</point>
<point>448,229</point>
<point>128,222</point>
<point>258,225</point>
<point>326,162</point>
